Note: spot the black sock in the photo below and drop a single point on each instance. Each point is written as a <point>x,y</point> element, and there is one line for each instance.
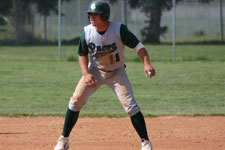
<point>70,121</point>
<point>139,125</point>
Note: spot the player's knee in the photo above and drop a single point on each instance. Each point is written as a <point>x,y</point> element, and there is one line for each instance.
<point>131,111</point>
<point>77,99</point>
<point>76,103</point>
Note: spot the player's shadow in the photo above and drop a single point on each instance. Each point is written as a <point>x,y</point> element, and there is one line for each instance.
<point>7,133</point>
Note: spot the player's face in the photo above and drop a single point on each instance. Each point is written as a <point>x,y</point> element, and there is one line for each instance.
<point>95,19</point>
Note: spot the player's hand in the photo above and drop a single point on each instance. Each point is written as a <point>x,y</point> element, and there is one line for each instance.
<point>149,71</point>
<point>90,80</point>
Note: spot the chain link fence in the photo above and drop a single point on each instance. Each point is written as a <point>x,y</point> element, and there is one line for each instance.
<point>23,22</point>
<point>196,21</point>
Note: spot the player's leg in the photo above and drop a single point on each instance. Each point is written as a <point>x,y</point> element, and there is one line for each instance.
<point>139,124</point>
<point>123,90</point>
<point>70,120</point>
<point>77,101</point>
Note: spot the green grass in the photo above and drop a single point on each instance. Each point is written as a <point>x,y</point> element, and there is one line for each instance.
<point>34,83</point>
<point>193,39</point>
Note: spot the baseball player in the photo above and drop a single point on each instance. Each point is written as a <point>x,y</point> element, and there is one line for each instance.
<point>105,42</point>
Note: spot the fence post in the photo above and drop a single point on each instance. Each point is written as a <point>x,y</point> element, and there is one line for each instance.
<point>59,29</point>
<point>78,15</point>
<point>185,17</point>
<point>174,30</point>
<point>124,11</point>
<point>221,19</point>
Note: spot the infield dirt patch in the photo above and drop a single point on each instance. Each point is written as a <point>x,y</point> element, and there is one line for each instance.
<point>166,133</point>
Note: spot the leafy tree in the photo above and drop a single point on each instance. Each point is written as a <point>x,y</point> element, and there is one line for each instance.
<point>5,6</point>
<point>153,10</point>
<point>21,19</point>
<point>19,12</point>
<point>45,7</point>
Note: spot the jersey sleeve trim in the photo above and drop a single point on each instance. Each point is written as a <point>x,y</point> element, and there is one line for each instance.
<point>139,46</point>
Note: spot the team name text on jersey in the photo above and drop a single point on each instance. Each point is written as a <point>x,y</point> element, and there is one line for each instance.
<point>98,51</point>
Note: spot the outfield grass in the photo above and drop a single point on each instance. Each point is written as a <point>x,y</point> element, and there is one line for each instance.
<point>33,82</point>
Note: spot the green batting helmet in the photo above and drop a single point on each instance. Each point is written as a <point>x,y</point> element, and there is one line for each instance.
<point>100,7</point>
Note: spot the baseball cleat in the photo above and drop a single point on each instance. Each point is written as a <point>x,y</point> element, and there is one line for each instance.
<point>146,145</point>
<point>62,143</point>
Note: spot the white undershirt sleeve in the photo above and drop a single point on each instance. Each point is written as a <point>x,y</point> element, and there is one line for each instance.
<point>139,46</point>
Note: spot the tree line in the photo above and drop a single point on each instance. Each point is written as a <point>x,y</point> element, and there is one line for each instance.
<point>18,13</point>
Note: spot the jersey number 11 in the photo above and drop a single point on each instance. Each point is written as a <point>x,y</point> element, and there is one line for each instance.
<point>117,58</point>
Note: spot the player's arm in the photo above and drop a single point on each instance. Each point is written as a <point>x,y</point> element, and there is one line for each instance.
<point>83,61</point>
<point>130,40</point>
<point>88,78</point>
<point>148,68</point>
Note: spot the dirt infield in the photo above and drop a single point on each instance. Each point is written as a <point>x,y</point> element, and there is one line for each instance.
<point>166,133</point>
